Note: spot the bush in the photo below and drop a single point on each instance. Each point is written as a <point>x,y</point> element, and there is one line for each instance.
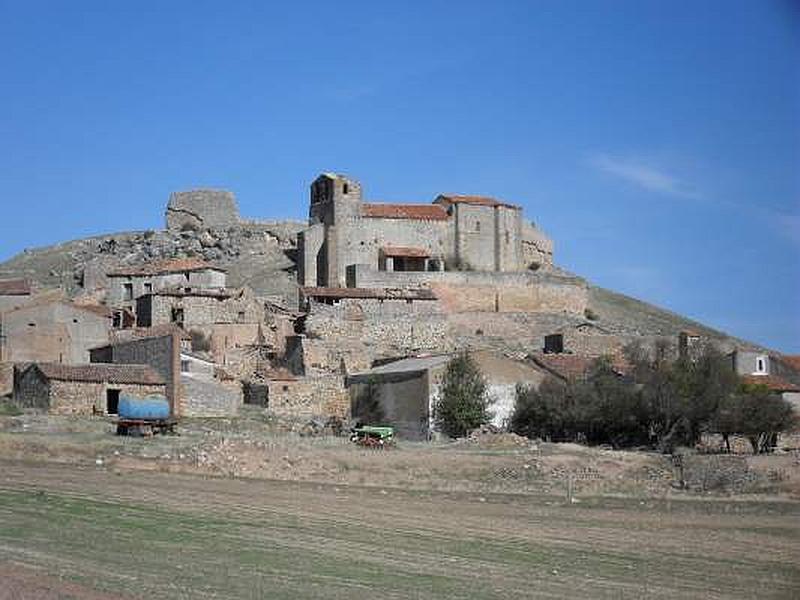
<point>463,402</point>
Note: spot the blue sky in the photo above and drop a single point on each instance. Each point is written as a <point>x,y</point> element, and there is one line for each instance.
<point>658,142</point>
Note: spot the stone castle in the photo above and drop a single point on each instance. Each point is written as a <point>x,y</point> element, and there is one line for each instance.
<point>348,240</point>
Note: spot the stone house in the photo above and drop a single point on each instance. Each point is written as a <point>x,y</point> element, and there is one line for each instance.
<point>194,385</point>
<point>777,373</point>
<point>403,393</point>
<point>53,330</point>
<point>83,389</point>
<point>454,232</point>
<point>194,308</point>
<point>126,284</point>
<point>160,351</point>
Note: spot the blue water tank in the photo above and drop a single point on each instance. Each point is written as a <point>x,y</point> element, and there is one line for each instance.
<point>151,408</point>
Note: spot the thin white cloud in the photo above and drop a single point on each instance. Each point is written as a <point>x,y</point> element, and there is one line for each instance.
<point>643,176</point>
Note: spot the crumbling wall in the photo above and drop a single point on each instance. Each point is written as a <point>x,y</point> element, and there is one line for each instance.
<point>309,397</point>
<point>202,209</point>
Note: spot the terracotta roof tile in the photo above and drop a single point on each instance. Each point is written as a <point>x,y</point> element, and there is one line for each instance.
<point>421,212</point>
<point>15,287</point>
<point>772,382</point>
<point>163,267</point>
<point>793,360</point>
<point>473,200</point>
<point>101,373</point>
<point>405,251</point>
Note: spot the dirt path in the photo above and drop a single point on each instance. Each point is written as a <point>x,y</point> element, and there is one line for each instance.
<point>181,536</point>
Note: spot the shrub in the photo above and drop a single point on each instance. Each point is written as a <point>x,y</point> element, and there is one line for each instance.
<point>463,402</point>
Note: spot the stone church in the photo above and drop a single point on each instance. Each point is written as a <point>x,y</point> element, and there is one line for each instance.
<point>347,236</point>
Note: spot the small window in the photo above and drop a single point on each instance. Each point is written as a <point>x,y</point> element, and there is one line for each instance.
<point>761,364</point>
<point>477,226</point>
<point>184,366</point>
<point>508,237</point>
<point>148,288</point>
<point>285,388</point>
<point>74,320</point>
<point>127,291</point>
<point>31,324</point>
<point>345,189</point>
<point>240,316</point>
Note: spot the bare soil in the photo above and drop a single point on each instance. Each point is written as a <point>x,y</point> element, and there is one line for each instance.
<point>243,509</point>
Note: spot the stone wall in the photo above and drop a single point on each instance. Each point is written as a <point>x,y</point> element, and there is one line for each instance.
<point>202,397</point>
<point>199,310</point>
<point>347,337</point>
<point>202,209</point>
<point>308,397</point>
<point>73,397</point>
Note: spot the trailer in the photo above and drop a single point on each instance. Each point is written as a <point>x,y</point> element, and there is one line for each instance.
<point>146,427</point>
<point>144,417</point>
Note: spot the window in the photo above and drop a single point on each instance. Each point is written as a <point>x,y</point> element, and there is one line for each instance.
<point>127,291</point>
<point>74,320</point>
<point>508,237</point>
<point>148,288</point>
<point>240,316</point>
<point>345,189</point>
<point>184,366</point>
<point>761,365</point>
<point>477,225</point>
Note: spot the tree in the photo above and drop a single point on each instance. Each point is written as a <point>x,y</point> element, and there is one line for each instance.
<point>463,402</point>
<point>755,413</point>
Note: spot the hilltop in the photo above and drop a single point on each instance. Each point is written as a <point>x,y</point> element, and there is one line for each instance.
<point>262,255</point>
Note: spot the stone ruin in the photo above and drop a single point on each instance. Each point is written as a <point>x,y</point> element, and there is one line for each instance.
<point>202,209</point>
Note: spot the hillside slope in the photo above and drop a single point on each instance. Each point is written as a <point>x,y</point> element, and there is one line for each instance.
<point>262,256</point>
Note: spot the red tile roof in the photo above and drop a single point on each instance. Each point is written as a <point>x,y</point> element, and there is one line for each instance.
<point>473,200</point>
<point>15,287</point>
<point>405,251</point>
<point>378,293</point>
<point>772,382</point>
<point>101,373</point>
<point>163,267</point>
<point>793,360</point>
<point>421,212</point>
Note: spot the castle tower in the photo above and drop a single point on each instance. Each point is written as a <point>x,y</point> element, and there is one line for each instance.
<point>335,205</point>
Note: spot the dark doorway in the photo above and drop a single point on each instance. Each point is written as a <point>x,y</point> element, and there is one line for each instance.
<point>112,402</point>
